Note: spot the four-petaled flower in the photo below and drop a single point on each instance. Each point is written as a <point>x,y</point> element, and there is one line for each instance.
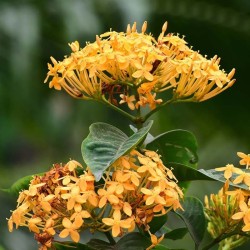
<point>71,229</point>
<point>117,223</point>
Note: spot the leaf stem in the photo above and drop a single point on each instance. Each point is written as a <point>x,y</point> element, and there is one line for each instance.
<point>124,113</point>
<point>156,109</point>
<point>110,238</point>
<point>222,237</point>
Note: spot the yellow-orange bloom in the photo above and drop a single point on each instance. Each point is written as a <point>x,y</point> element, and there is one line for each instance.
<point>71,229</point>
<point>229,169</point>
<point>245,159</point>
<point>116,223</point>
<point>133,67</point>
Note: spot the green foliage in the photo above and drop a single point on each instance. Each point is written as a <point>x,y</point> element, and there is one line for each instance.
<point>194,218</point>
<point>162,247</point>
<point>20,184</point>
<point>176,146</point>
<point>157,223</point>
<point>131,241</point>
<point>70,245</point>
<point>185,173</point>
<point>175,234</point>
<point>106,143</point>
<point>178,149</point>
<point>219,176</point>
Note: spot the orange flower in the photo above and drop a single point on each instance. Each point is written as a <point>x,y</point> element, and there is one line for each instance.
<point>155,241</point>
<point>74,197</point>
<point>71,229</point>
<point>243,214</point>
<point>116,223</point>
<point>32,224</point>
<point>153,196</point>
<point>229,169</point>
<point>245,159</point>
<point>129,100</point>
<point>107,195</point>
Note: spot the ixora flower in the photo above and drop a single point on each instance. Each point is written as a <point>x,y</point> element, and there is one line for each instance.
<point>229,211</point>
<point>67,200</point>
<point>134,68</point>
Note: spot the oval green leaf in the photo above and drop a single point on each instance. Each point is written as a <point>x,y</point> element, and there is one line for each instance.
<point>70,245</point>
<point>176,146</point>
<point>106,143</point>
<point>97,244</point>
<point>157,223</point>
<point>19,185</point>
<point>133,241</point>
<point>194,218</point>
<point>162,247</point>
<point>187,173</point>
<point>175,234</point>
<point>219,176</point>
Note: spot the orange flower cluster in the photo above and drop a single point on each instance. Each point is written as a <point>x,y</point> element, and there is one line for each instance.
<point>134,67</point>
<point>229,209</point>
<point>132,191</point>
<point>219,210</point>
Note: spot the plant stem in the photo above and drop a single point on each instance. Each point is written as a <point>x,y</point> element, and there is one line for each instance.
<point>110,238</point>
<point>220,238</point>
<point>156,109</point>
<point>124,113</point>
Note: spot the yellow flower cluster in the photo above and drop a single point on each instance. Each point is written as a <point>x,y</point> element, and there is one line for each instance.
<point>132,191</point>
<point>229,210</point>
<point>219,210</point>
<point>134,67</point>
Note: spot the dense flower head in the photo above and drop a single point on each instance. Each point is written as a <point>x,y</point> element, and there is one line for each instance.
<point>133,190</point>
<point>220,210</point>
<point>133,67</point>
<point>229,210</point>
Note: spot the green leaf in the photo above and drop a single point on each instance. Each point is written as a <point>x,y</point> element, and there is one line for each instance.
<point>178,146</point>
<point>21,184</point>
<point>148,138</point>
<point>133,241</point>
<point>106,143</point>
<point>187,173</point>
<point>162,247</point>
<point>194,218</point>
<point>97,244</point>
<point>175,234</point>
<point>157,223</point>
<point>219,176</point>
<point>67,245</point>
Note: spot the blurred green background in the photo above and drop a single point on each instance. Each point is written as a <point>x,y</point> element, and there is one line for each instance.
<point>39,126</point>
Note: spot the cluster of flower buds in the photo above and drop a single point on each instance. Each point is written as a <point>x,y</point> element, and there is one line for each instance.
<point>228,212</point>
<point>134,67</point>
<point>66,200</point>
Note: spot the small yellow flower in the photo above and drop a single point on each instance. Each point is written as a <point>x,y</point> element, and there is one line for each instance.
<point>153,196</point>
<point>243,214</point>
<point>155,241</point>
<point>243,177</point>
<point>229,169</point>
<point>129,100</point>
<point>107,195</point>
<point>116,223</point>
<point>74,197</point>
<point>245,159</point>
<point>71,229</point>
<point>45,201</point>
<point>143,71</point>
<point>32,224</point>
